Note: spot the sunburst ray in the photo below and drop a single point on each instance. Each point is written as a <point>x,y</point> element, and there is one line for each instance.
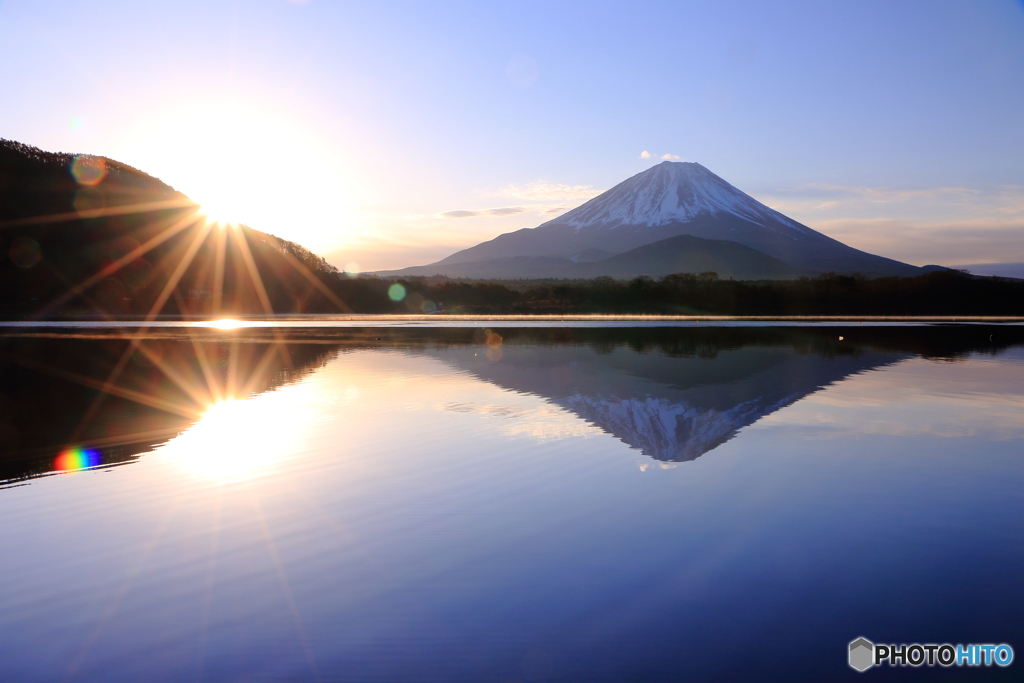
<point>117,265</point>
<point>122,210</point>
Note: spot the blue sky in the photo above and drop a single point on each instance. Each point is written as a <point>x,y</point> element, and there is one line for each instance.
<point>895,127</point>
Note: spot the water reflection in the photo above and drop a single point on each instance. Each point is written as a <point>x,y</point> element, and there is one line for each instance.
<point>100,398</point>
<point>671,403</point>
<point>405,506</point>
<point>237,439</point>
<point>77,401</point>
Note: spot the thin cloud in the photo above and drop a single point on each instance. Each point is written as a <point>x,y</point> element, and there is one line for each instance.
<point>887,194</point>
<point>645,154</point>
<point>946,243</point>
<point>543,190</point>
<point>883,194</point>
<point>812,204</point>
<point>503,211</point>
<point>669,157</point>
<point>947,225</point>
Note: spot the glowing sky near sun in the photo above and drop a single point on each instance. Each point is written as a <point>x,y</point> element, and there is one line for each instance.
<point>392,133</point>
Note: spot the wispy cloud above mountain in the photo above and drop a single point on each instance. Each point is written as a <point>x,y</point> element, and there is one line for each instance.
<point>543,199</point>
<point>504,211</point>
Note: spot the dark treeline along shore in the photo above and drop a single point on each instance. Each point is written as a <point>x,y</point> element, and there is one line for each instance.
<point>938,293</point>
<point>118,394</point>
<point>86,236</point>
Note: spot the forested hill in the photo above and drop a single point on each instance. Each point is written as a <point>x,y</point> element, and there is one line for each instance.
<point>83,234</point>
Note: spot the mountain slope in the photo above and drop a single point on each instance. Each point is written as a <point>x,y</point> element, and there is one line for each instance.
<point>689,254</point>
<point>89,235</point>
<point>679,198</point>
<point>680,254</point>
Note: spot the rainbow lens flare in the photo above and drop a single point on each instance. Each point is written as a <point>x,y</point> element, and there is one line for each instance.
<point>76,458</point>
<point>88,170</point>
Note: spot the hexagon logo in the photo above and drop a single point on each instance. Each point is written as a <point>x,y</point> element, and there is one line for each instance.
<point>862,654</point>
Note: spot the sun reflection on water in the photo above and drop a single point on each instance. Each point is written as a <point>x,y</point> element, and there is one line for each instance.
<point>237,440</point>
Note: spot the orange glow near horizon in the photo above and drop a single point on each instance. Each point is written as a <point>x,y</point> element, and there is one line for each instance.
<point>225,324</point>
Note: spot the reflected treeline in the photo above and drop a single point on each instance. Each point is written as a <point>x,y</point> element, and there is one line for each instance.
<point>931,341</point>
<point>73,400</point>
<point>949,341</point>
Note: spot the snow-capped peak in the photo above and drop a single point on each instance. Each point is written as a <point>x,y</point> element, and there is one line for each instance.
<point>669,192</point>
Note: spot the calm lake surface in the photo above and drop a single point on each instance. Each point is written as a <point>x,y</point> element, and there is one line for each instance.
<point>544,504</point>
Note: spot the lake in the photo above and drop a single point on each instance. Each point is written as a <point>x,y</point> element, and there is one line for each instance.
<point>547,503</point>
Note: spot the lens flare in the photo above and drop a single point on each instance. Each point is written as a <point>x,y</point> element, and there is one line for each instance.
<point>24,252</point>
<point>88,170</point>
<point>76,458</point>
<point>396,292</point>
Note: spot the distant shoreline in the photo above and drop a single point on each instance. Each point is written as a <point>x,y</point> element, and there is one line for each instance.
<point>439,320</point>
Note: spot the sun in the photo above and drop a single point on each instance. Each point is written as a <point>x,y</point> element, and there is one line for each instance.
<point>221,214</point>
<point>252,162</point>
<point>225,324</point>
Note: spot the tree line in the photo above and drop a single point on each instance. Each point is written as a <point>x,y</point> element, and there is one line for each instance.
<point>948,292</point>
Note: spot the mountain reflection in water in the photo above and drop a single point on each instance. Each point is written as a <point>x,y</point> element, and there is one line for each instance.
<point>672,407</point>
<point>104,398</point>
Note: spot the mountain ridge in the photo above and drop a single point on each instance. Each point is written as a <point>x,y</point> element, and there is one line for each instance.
<point>679,254</point>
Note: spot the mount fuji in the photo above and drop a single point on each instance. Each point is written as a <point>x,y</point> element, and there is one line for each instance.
<point>728,231</point>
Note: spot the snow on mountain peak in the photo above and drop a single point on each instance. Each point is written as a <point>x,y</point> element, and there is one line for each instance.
<point>668,192</point>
